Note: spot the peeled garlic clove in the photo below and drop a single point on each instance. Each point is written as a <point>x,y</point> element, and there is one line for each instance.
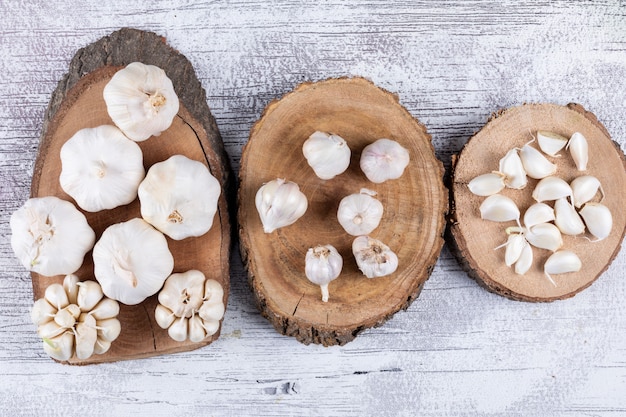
<point>562,262</point>
<point>545,236</point>
<point>536,165</point>
<point>579,149</point>
<point>538,213</point>
<point>514,246</point>
<point>566,218</point>
<point>598,219</point>
<point>42,312</point>
<point>163,316</point>
<point>584,188</point>
<point>374,258</point>
<point>513,169</point>
<point>487,184</point>
<point>384,160</point>
<point>178,329</point>
<point>327,154</point>
<point>359,214</point>
<point>550,143</point>
<point>196,329</point>
<point>141,101</point>
<point>322,265</point>
<point>280,203</point>
<point>525,260</point>
<point>499,208</point>
<point>551,188</point>
<point>60,347</point>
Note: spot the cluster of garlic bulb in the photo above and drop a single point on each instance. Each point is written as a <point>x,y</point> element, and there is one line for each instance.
<point>75,318</point>
<point>190,306</point>
<point>571,213</point>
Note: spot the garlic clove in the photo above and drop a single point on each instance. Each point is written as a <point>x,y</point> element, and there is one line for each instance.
<point>373,257</point>
<point>101,346</point>
<point>89,295</point>
<point>42,312</point>
<point>66,318</point>
<point>566,218</point>
<point>499,208</point>
<point>60,347</point>
<point>322,265</point>
<point>512,168</point>
<point>196,329</point>
<point>141,101</point>
<point>551,188</point>
<point>86,336</point>
<point>561,262</point>
<point>107,308</point>
<point>598,219</point>
<point>163,316</point>
<point>211,311</point>
<point>487,184</point>
<point>535,164</point>
<point>213,291</point>
<point>584,189</point>
<point>514,246</point>
<point>280,203</point>
<point>108,329</point>
<point>525,260</point>
<point>538,213</point>
<point>56,295</point>
<point>211,327</point>
<point>383,160</point>
<point>327,154</point>
<point>359,214</point>
<point>70,285</point>
<point>178,330</point>
<point>545,236</point>
<point>550,143</point>
<point>579,149</point>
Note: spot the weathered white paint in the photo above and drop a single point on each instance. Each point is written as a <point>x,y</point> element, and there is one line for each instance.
<point>458,350</point>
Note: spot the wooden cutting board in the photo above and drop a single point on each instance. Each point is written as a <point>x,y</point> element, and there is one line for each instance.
<point>78,103</point>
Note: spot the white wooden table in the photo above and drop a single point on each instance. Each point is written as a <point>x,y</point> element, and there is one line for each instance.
<point>458,350</point>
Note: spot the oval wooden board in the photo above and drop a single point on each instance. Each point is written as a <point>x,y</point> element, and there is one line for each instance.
<point>412,225</point>
<point>475,239</point>
<point>81,106</point>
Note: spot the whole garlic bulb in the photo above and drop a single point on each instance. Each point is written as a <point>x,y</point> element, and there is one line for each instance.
<point>279,203</point>
<point>101,168</point>
<point>359,214</point>
<point>50,236</point>
<point>190,306</point>
<point>75,318</point>
<point>179,197</point>
<point>323,264</point>
<point>141,101</point>
<point>384,160</point>
<point>373,257</point>
<point>131,261</point>
<point>327,154</point>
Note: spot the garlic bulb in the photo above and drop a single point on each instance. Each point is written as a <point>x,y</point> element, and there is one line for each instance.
<point>141,101</point>
<point>512,168</point>
<point>327,154</point>
<point>101,168</point>
<point>190,306</point>
<point>131,261</point>
<point>75,318</point>
<point>322,265</point>
<point>50,236</point>
<point>584,189</point>
<point>579,149</point>
<point>566,218</point>
<point>359,214</point>
<point>487,184</point>
<point>598,219</point>
<point>179,197</point>
<point>499,208</point>
<point>373,257</point>
<point>384,160</point>
<point>279,203</point>
<point>550,143</point>
<point>561,262</point>
<point>535,164</point>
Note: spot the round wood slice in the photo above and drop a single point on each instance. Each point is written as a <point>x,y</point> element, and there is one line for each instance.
<point>475,239</point>
<point>78,103</point>
<point>412,224</point>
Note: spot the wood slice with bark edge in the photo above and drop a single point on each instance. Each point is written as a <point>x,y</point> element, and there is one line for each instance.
<point>413,221</point>
<point>77,103</point>
<point>474,240</point>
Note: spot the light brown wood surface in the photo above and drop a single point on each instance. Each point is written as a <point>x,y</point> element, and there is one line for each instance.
<point>83,106</point>
<point>412,224</point>
<point>475,239</point>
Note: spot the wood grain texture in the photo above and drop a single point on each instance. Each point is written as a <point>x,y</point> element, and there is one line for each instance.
<point>458,350</point>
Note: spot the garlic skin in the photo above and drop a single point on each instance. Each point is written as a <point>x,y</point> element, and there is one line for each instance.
<point>141,101</point>
<point>561,262</point>
<point>551,188</point>
<point>373,257</point>
<point>101,168</point>
<point>327,154</point>
<point>487,184</point>
<point>499,208</point>
<point>538,213</point>
<point>190,306</point>
<point>598,219</point>
<point>512,168</point>
<point>73,327</point>
<point>579,149</point>
<point>131,261</point>
<point>566,218</point>
<point>584,189</point>
<point>550,143</point>
<point>50,236</point>
<point>322,265</point>
<point>280,203</point>
<point>384,160</point>
<point>179,197</point>
<point>359,214</point>
<point>535,164</point>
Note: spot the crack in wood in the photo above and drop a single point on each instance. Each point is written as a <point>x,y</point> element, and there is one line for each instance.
<point>297,304</point>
